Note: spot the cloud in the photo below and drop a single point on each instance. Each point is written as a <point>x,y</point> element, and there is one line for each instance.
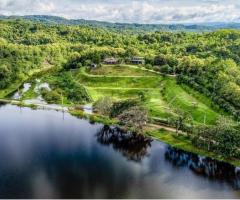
<point>146,11</point>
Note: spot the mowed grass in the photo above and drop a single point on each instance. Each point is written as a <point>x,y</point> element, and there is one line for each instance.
<point>163,95</point>
<point>120,82</point>
<point>116,93</point>
<point>157,107</point>
<point>181,98</point>
<point>122,70</point>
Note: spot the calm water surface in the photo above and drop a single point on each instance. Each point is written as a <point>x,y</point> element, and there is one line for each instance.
<point>45,154</point>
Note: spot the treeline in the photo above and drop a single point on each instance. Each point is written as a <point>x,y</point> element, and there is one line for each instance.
<point>18,61</point>
<point>118,26</point>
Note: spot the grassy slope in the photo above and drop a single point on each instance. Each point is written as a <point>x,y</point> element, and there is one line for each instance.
<point>163,94</point>
<point>181,97</point>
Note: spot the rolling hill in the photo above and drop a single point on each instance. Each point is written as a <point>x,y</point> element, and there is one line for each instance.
<point>201,27</point>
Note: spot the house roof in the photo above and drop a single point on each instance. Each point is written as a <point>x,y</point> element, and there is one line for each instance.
<point>110,60</point>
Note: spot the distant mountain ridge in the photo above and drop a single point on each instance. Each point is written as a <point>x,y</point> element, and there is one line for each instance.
<point>127,26</point>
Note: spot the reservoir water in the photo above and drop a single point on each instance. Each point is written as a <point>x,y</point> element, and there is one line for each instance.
<point>49,154</point>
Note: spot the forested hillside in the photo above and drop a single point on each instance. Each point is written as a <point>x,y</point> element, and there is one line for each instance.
<point>207,62</point>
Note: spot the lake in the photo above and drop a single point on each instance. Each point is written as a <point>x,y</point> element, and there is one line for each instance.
<point>50,154</point>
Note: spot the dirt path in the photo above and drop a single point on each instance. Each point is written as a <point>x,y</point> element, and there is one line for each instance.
<point>157,126</point>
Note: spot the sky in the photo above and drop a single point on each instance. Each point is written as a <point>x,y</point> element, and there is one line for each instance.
<point>129,11</point>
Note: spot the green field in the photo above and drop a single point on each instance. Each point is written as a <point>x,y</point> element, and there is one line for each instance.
<point>163,95</point>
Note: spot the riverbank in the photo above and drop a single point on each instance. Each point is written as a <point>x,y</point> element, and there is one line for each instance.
<point>162,133</point>
<point>183,142</point>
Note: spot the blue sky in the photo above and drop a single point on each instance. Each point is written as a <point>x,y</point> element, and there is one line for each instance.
<point>138,11</point>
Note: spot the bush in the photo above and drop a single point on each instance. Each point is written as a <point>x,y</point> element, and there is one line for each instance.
<point>135,117</point>
<point>78,94</point>
<point>103,105</point>
<point>166,69</point>
<point>50,96</point>
<point>148,66</point>
<point>120,106</point>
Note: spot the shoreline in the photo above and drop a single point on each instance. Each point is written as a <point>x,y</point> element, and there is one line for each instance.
<point>163,134</point>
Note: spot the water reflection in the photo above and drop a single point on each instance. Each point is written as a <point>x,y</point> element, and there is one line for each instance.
<point>44,156</point>
<point>2,104</point>
<point>133,146</point>
<point>205,166</point>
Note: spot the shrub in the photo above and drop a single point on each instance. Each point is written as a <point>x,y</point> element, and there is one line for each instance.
<point>135,117</point>
<point>103,105</point>
<point>78,94</point>
<point>120,106</point>
<point>50,96</point>
<point>166,69</point>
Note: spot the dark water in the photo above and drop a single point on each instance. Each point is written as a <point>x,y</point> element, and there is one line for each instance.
<point>44,154</point>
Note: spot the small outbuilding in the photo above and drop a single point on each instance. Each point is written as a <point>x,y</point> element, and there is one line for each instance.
<point>110,61</point>
<point>137,60</point>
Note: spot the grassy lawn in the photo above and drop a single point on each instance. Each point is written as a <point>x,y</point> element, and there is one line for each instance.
<point>117,93</point>
<point>120,82</point>
<point>157,107</point>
